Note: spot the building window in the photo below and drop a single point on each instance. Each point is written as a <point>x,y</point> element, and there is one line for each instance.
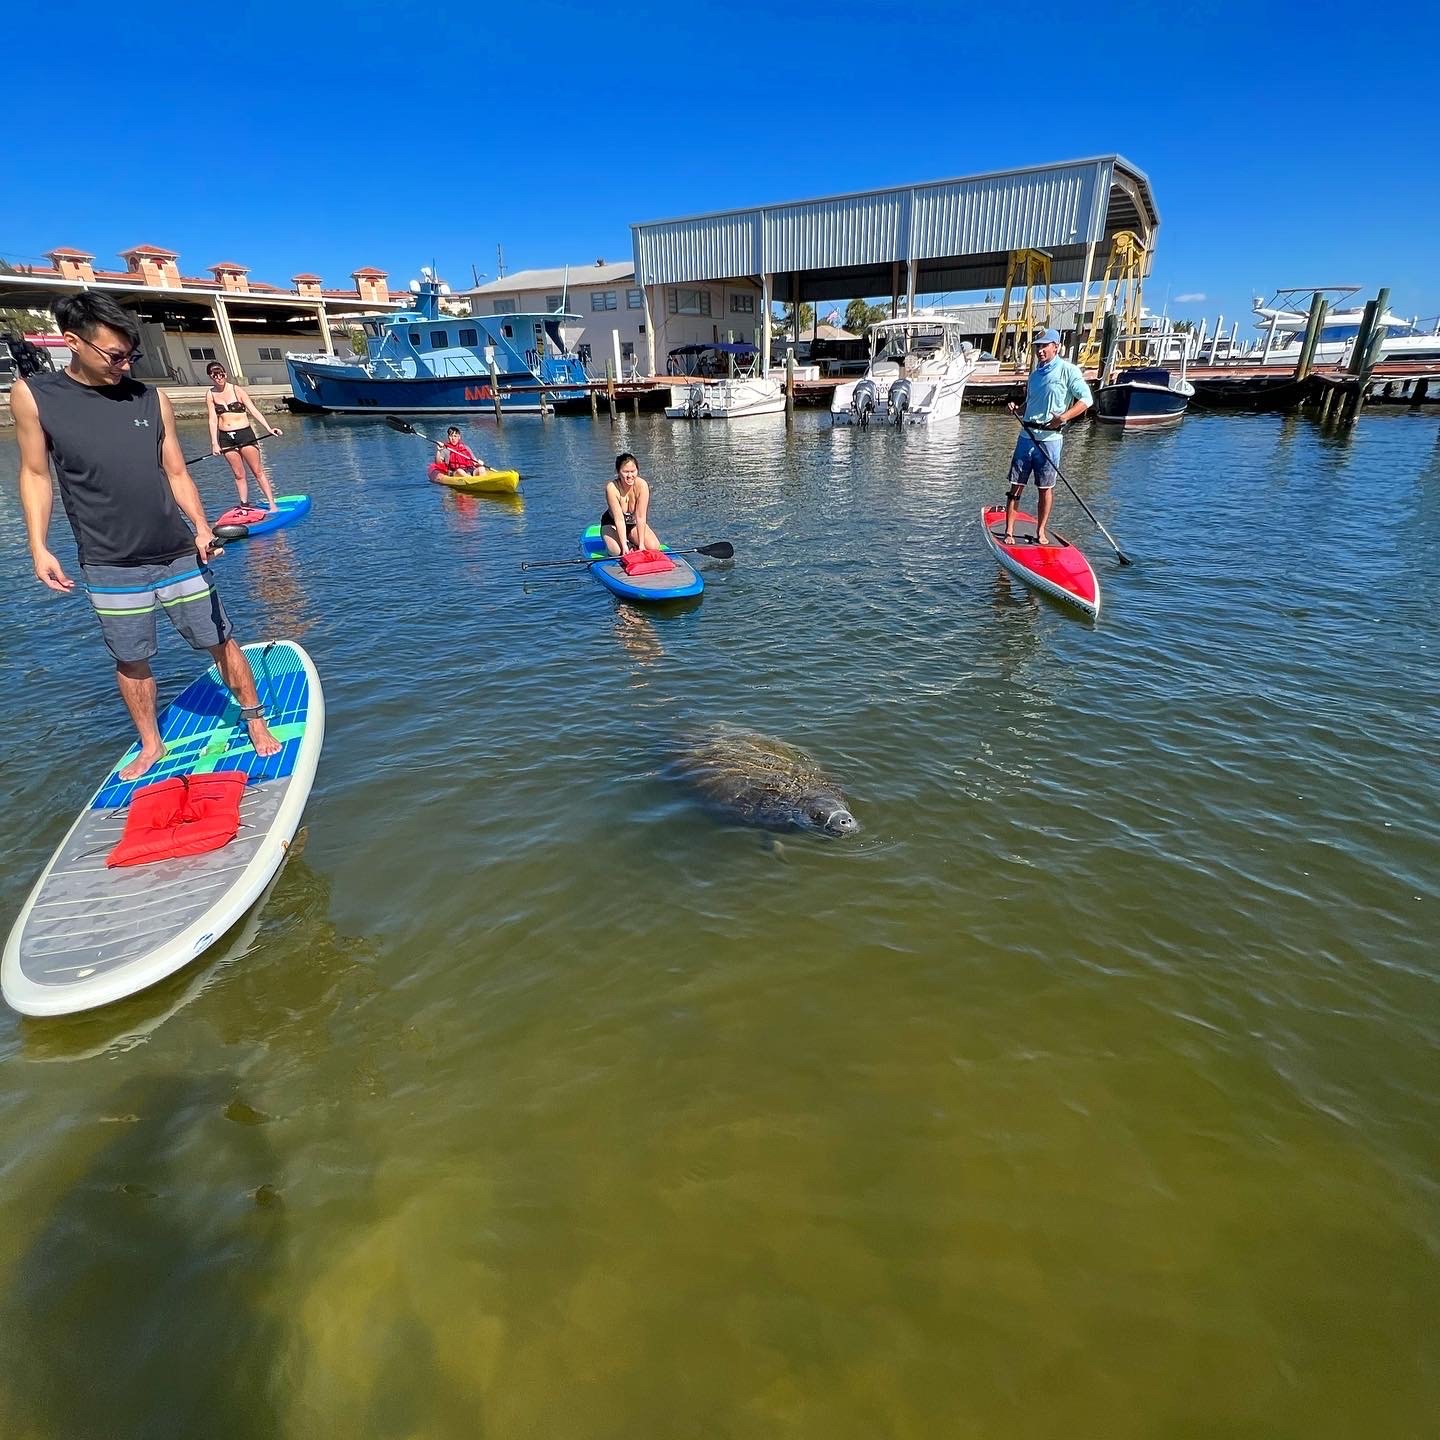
<point>439,339</point>
<point>270,352</point>
<point>627,349</point>
<point>742,304</point>
<point>202,353</point>
<point>504,307</point>
<point>554,302</point>
<point>635,299</point>
<point>469,337</point>
<point>689,302</point>
<point>603,300</point>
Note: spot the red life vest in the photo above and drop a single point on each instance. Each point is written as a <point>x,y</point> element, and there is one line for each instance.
<point>459,456</point>
<point>646,562</point>
<point>184,815</point>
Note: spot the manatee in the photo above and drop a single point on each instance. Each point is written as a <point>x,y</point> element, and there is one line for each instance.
<point>756,780</point>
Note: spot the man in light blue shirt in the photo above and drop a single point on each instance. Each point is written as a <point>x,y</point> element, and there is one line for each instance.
<point>1056,393</point>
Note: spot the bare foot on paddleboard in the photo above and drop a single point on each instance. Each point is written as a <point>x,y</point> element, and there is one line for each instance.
<point>261,738</point>
<point>142,762</point>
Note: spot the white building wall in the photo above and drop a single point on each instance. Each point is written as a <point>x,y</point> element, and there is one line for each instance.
<point>598,322</point>
<point>262,357</point>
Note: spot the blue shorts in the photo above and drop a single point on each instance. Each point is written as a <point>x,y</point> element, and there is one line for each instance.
<point>127,598</point>
<point>1034,460</point>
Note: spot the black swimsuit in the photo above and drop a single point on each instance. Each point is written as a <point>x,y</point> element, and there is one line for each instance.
<point>233,439</point>
<point>606,518</point>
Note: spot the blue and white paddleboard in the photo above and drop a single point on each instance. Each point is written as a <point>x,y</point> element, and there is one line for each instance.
<point>243,522</point>
<point>677,584</point>
<point>89,935</point>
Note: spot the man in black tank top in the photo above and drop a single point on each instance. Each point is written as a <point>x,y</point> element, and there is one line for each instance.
<point>128,496</point>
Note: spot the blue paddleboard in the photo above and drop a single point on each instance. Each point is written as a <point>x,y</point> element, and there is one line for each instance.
<point>677,584</point>
<point>244,522</point>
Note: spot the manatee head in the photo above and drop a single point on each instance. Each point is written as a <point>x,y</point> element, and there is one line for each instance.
<point>828,814</point>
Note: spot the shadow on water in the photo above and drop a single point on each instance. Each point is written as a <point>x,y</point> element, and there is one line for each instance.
<point>139,1309</point>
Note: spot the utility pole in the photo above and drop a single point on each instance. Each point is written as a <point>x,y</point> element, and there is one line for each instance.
<point>499,262</point>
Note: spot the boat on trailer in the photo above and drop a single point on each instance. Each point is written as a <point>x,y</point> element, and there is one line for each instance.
<point>426,361</point>
<point>918,368</point>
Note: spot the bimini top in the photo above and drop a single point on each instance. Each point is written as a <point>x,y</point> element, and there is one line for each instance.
<point>724,347</point>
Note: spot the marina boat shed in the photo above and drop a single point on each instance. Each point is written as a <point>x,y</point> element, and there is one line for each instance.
<point>944,235</point>
<point>186,321</point>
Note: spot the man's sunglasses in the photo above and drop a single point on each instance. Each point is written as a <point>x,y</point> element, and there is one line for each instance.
<point>115,357</point>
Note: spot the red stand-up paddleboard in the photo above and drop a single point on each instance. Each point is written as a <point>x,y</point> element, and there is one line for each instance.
<point>1058,569</point>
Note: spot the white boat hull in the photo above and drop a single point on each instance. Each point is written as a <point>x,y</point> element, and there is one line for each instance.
<point>930,403</point>
<point>726,399</point>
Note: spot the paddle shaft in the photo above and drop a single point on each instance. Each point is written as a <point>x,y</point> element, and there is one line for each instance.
<point>716,550</point>
<point>1124,558</point>
<point>210,454</point>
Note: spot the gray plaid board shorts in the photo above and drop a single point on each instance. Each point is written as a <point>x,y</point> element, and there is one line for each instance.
<point>127,598</point>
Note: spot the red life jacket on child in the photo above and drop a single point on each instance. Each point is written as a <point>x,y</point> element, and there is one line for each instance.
<point>459,456</point>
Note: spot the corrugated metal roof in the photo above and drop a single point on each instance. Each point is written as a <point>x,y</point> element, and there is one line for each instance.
<point>553,279</point>
<point>959,230</point>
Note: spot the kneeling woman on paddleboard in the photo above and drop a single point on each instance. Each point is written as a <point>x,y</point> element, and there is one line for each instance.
<point>624,522</point>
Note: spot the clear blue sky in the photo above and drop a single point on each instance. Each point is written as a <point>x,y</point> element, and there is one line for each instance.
<point>1287,144</point>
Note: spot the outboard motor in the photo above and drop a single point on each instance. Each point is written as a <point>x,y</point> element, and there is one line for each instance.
<point>899,400</point>
<point>694,402</point>
<point>862,402</point>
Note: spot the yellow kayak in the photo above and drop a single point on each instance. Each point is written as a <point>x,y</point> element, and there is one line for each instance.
<point>483,482</point>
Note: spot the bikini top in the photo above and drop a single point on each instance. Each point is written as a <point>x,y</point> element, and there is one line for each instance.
<point>236,406</point>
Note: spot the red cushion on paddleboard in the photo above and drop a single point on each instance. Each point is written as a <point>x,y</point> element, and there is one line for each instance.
<point>184,815</point>
<point>646,562</point>
<point>242,515</point>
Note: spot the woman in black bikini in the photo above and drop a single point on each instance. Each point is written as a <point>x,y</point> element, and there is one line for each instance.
<point>624,522</point>
<point>232,436</point>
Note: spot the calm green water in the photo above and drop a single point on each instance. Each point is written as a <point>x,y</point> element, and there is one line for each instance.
<point>1091,1091</point>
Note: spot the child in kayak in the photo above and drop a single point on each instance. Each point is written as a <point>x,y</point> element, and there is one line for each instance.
<point>624,522</point>
<point>455,457</point>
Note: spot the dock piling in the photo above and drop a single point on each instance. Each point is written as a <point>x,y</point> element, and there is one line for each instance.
<point>1318,307</point>
<point>610,387</point>
<point>495,390</point>
<point>789,388</point>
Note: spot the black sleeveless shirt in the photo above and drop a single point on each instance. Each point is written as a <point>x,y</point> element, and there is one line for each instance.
<point>104,443</point>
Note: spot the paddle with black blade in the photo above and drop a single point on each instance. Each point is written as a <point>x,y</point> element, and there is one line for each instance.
<point>1120,554</point>
<point>716,550</point>
<point>401,427</point>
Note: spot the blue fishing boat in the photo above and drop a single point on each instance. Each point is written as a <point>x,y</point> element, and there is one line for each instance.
<point>423,360</point>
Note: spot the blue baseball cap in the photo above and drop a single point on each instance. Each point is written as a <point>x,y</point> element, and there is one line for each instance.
<point>1047,337</point>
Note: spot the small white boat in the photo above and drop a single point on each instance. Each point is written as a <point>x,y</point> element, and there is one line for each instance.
<point>918,368</point>
<point>742,391</point>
